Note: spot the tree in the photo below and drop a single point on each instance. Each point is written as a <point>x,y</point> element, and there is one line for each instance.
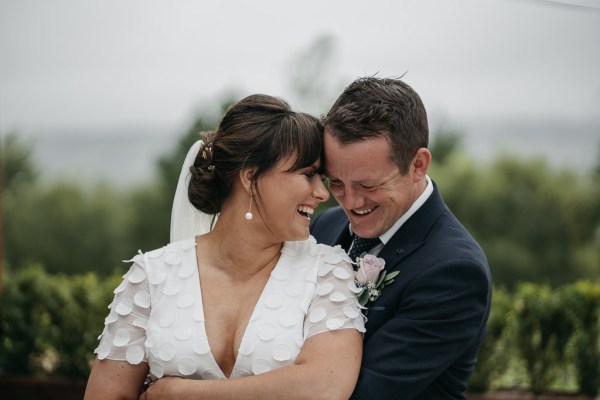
<point>150,206</point>
<point>445,143</point>
<point>18,170</point>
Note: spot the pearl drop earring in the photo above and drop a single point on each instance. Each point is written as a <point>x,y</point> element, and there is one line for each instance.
<point>249,215</point>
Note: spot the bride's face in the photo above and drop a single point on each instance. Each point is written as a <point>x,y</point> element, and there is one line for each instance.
<point>288,199</point>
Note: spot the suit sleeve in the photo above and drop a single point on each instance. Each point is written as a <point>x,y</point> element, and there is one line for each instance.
<point>440,316</point>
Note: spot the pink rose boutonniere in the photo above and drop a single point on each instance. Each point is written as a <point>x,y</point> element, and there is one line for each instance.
<point>371,278</point>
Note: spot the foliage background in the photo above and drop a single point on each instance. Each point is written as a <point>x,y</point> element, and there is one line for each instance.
<point>539,226</point>
<point>538,223</point>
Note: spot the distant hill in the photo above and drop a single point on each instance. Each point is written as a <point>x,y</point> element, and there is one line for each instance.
<point>124,156</point>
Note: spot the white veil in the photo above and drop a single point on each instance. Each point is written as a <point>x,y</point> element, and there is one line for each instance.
<point>186,220</point>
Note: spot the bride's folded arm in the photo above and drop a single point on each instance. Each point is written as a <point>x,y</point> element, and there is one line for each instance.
<point>326,368</point>
<point>112,380</point>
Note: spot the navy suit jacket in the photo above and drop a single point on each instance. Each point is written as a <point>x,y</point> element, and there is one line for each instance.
<point>424,331</point>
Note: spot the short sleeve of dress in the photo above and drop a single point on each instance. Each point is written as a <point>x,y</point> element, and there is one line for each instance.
<point>124,331</point>
<point>334,305</point>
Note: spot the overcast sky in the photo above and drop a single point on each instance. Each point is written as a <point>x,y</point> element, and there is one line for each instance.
<point>112,62</point>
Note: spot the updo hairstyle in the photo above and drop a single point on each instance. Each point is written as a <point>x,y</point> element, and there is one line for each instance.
<point>257,132</point>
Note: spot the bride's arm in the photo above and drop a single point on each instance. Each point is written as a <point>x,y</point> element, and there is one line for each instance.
<point>115,380</point>
<point>326,368</point>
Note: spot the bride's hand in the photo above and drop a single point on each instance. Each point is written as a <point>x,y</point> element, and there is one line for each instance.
<point>163,389</point>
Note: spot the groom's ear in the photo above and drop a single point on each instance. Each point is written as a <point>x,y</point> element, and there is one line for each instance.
<point>420,164</point>
<point>247,179</point>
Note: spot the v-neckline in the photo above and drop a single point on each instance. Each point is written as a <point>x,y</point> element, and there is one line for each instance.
<point>215,364</point>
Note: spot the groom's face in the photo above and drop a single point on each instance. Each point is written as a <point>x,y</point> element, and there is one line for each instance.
<point>368,184</point>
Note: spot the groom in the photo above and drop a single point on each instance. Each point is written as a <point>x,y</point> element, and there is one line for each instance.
<point>424,330</point>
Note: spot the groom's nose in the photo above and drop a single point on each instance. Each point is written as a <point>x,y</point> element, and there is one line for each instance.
<point>350,198</point>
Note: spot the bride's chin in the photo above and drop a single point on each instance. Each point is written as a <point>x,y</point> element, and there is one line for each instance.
<point>300,237</point>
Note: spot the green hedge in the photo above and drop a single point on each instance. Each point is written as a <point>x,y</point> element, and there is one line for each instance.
<point>549,336</point>
<point>539,339</point>
<point>50,323</point>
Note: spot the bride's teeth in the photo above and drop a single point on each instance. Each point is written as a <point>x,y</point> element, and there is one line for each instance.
<point>363,212</point>
<point>306,210</point>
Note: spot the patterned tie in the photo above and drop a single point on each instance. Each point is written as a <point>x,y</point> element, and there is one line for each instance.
<point>361,245</point>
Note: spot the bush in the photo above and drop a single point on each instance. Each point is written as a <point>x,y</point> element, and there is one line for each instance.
<point>582,303</point>
<point>542,333</point>
<point>50,323</point>
<point>493,357</point>
<point>50,326</point>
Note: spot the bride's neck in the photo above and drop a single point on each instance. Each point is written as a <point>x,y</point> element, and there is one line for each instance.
<point>238,248</point>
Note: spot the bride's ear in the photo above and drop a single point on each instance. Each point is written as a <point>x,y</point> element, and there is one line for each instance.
<point>247,179</point>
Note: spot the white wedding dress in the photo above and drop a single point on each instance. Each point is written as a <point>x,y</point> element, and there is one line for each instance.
<point>157,314</point>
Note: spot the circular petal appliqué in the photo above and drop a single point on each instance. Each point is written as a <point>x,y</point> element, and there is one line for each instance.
<point>103,350</point>
<point>359,324</point>
<point>187,244</point>
<point>324,289</point>
<point>183,332</point>
<point>125,307</point>
<point>110,318</point>
<point>317,314</point>
<point>156,253</point>
<point>140,323</point>
<point>325,269</point>
<point>353,288</point>
<point>351,311</point>
<point>170,288</point>
<point>281,274</point>
<point>142,299</point>
<point>186,366</point>
<point>337,297</point>
<point>333,258</point>
<point>121,287</point>
<point>187,270</point>
<point>287,320</point>
<point>267,332</point>
<point>201,346</point>
<point>172,259</point>
<point>121,338</point>
<point>185,300</point>
<point>166,352</point>
<point>166,320</point>
<point>273,301</point>
<point>334,323</point>
<point>137,275</point>
<point>341,273</point>
<point>156,369</point>
<point>282,352</point>
<point>134,355</point>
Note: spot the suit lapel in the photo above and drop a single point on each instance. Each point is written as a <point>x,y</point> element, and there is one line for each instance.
<point>413,233</point>
<point>393,255</point>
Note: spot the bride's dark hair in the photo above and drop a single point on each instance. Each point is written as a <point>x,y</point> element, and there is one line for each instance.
<point>256,132</point>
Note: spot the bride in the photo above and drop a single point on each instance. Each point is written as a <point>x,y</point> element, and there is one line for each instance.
<point>252,307</point>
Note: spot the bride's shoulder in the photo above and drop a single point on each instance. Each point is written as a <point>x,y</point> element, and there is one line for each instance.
<point>170,253</point>
<point>332,254</point>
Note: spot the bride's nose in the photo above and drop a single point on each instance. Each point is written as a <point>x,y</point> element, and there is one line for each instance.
<point>319,190</point>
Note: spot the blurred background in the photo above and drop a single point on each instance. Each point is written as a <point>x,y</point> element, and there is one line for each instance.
<point>99,101</point>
